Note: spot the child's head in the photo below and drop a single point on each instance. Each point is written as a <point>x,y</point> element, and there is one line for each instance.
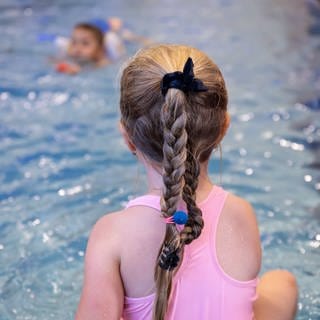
<point>143,106</point>
<point>87,43</point>
<point>175,130</point>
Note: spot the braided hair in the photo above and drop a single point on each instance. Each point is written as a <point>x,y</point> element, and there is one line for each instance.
<point>175,120</point>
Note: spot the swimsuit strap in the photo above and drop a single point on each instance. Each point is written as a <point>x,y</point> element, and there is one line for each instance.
<point>149,200</point>
<point>153,201</point>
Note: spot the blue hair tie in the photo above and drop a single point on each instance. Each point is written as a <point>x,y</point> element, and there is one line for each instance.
<point>179,217</point>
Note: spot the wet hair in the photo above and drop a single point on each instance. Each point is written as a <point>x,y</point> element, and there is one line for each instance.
<point>176,132</point>
<point>97,33</point>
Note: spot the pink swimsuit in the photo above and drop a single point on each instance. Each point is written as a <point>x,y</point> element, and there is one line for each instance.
<point>201,290</point>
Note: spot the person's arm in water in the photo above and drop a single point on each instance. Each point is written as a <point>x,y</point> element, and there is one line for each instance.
<point>68,68</point>
<point>102,293</point>
<point>61,65</point>
<point>128,35</point>
<point>116,25</point>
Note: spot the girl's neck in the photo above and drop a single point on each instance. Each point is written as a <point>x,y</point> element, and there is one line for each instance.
<point>155,183</point>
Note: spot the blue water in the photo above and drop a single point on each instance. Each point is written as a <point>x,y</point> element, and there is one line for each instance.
<point>63,163</point>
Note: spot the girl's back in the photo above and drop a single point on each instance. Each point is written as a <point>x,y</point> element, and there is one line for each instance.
<point>217,278</point>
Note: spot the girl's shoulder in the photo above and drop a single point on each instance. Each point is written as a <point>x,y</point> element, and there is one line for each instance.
<point>108,226</point>
<point>114,227</point>
<point>105,241</point>
<point>238,239</point>
<point>239,209</point>
<point>104,234</point>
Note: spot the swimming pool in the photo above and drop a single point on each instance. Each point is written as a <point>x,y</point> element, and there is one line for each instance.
<point>62,158</point>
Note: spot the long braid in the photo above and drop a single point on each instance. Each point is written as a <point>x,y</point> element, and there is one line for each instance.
<point>195,221</point>
<point>174,118</point>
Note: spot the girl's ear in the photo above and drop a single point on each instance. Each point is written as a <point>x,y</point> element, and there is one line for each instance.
<point>126,138</point>
<point>227,124</point>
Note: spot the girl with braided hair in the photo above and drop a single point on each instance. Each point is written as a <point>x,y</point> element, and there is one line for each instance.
<point>188,249</point>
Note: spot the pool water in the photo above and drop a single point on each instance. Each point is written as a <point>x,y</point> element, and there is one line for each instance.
<point>64,165</point>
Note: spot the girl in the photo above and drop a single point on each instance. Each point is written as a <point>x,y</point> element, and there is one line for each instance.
<point>85,48</point>
<point>94,44</point>
<point>188,249</point>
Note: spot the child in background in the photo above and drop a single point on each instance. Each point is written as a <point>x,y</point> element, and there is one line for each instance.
<point>187,249</point>
<point>95,43</point>
<point>86,47</point>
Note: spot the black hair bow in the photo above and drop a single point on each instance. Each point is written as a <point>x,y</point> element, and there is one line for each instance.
<point>184,81</point>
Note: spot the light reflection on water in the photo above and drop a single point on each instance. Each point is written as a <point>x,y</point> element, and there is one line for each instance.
<point>63,160</point>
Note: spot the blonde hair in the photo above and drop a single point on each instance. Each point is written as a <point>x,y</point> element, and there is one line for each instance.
<point>178,131</point>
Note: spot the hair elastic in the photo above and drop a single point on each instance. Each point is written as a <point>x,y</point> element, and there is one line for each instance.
<point>184,81</point>
<point>179,217</point>
<point>169,258</point>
